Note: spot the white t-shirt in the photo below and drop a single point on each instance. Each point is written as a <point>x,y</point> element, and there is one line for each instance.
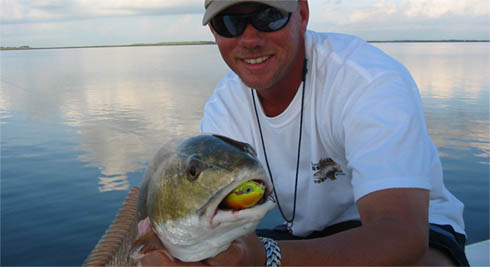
<point>363,130</point>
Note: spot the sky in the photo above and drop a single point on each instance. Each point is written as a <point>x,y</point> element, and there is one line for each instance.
<point>47,23</point>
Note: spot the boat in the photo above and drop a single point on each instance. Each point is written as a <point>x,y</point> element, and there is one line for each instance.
<point>478,254</point>
<point>113,248</point>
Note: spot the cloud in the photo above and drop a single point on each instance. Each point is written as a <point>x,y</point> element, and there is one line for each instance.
<point>31,11</point>
<point>439,8</point>
<point>403,19</point>
<point>96,22</point>
<point>419,9</point>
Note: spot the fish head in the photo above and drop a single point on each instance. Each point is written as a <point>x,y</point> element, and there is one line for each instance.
<point>184,191</point>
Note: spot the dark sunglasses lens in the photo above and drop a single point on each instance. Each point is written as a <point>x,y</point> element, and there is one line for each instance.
<point>266,20</point>
<point>270,20</point>
<point>229,25</point>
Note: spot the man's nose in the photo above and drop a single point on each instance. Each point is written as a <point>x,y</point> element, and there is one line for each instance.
<point>251,37</point>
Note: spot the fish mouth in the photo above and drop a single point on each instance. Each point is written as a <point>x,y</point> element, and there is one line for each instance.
<point>218,213</point>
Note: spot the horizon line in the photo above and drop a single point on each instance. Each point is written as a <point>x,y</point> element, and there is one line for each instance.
<point>27,47</point>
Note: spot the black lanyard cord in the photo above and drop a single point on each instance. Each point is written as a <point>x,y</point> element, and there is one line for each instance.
<point>288,221</point>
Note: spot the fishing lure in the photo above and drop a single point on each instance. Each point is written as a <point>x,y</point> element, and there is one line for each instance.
<point>244,196</point>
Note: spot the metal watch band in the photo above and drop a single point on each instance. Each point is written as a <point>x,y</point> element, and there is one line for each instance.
<point>272,251</point>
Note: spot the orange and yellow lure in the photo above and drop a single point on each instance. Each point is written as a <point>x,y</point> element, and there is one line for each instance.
<point>244,196</point>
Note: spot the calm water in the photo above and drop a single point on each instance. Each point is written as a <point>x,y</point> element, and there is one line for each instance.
<point>78,127</point>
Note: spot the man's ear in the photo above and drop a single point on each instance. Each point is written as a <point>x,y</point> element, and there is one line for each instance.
<point>305,14</point>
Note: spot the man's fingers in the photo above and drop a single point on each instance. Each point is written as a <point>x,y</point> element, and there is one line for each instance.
<point>146,242</point>
<point>156,258</point>
<point>233,256</point>
<point>160,258</point>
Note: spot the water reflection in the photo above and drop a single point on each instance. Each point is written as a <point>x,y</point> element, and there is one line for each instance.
<point>125,102</point>
<point>453,79</point>
<point>77,122</point>
<point>123,105</point>
<point>4,105</point>
<point>121,126</point>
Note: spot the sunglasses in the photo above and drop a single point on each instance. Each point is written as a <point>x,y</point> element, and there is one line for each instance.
<point>268,19</point>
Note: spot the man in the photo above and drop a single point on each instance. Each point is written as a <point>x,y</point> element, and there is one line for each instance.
<point>340,127</point>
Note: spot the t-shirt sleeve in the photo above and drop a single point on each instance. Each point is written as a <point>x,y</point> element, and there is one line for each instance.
<point>386,141</point>
<point>214,119</point>
<point>223,113</point>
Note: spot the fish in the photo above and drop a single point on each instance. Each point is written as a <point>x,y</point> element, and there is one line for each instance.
<point>184,189</point>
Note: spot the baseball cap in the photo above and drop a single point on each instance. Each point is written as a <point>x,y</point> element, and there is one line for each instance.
<point>213,7</point>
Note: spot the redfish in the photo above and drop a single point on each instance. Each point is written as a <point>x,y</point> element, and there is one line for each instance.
<point>184,189</point>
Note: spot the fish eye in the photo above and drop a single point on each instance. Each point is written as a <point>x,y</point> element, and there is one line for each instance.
<point>193,169</point>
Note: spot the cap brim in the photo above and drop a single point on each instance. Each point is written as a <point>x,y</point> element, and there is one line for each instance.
<point>216,7</point>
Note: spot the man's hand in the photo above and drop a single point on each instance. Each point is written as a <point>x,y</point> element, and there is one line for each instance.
<point>245,251</point>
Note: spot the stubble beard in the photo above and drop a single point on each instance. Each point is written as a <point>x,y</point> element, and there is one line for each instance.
<point>264,83</point>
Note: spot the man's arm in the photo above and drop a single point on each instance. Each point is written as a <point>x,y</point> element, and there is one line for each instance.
<point>394,231</point>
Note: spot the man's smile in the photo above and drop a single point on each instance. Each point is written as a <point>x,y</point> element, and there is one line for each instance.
<point>256,60</point>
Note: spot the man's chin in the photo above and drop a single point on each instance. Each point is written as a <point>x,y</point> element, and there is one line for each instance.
<point>257,85</point>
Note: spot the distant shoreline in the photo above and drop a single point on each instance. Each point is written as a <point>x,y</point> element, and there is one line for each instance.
<point>25,47</point>
<point>431,41</point>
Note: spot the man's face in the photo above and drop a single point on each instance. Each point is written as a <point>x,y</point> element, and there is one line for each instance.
<point>261,59</point>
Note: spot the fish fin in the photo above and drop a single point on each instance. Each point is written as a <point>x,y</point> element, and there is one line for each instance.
<point>245,147</point>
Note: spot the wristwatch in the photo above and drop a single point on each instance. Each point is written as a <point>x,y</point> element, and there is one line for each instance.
<point>272,251</point>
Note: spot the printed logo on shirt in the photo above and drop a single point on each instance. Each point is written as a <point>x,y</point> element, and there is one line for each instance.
<point>326,169</point>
